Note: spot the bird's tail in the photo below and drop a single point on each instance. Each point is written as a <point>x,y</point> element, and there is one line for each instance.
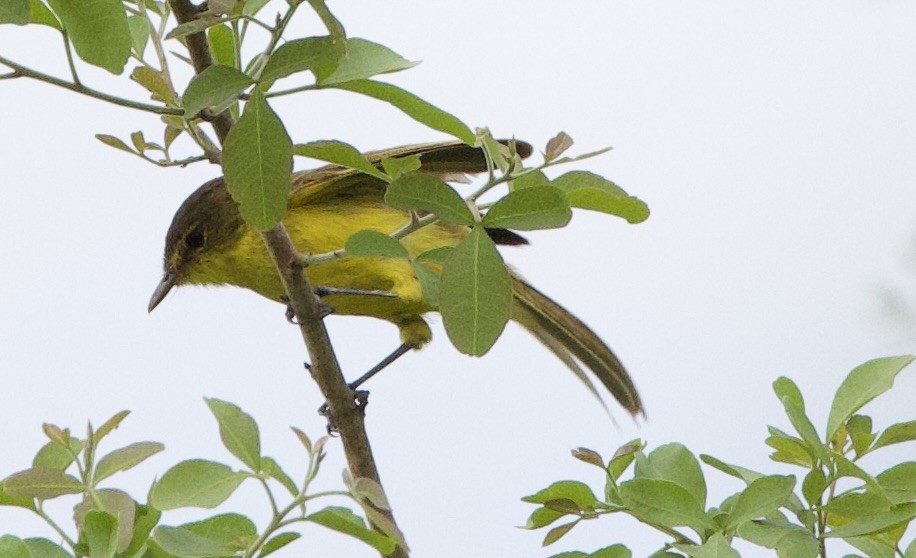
<point>573,342</point>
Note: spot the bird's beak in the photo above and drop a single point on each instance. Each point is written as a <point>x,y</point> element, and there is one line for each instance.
<point>162,289</point>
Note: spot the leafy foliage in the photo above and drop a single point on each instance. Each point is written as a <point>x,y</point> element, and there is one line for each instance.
<point>109,522</point>
<point>667,489</point>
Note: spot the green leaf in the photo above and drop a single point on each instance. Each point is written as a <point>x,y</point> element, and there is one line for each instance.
<point>54,456</point>
<point>252,7</point>
<point>15,11</point>
<point>139,33</point>
<point>675,463</point>
<point>222,45</point>
<point>365,489</point>
<point>590,191</point>
<point>118,505</point>
<point>345,521</point>
<point>363,59</point>
<point>100,533</point>
<point>394,167</point>
<point>896,434</point>
<point>789,541</point>
<point>663,502</point>
<point>557,532</point>
<point>302,55</point>
<point>197,25</point>
<point>125,458</point>
<point>613,551</point>
<point>542,517</point>
<point>475,294</point>
<point>238,431</point>
<point>813,486</point>
<point>910,550</point>
<point>41,15</point>
<point>178,541</point>
<point>871,547</point>
<point>156,83</point>
<point>530,179</point>
<point>429,193</point>
<point>541,207</point>
<point>876,523</point>
<point>762,497</point>
<point>270,466</point>
<point>42,483</point>
<point>109,426</point>
<point>303,438</point>
<point>214,86</point>
<point>13,547</point>
<point>434,256</point>
<point>374,244</point>
<point>853,505</point>
<point>716,546</point>
<point>429,283</point>
<point>622,458</point>
<point>231,530</point>
<point>589,456</point>
<point>866,382</point>
<point>858,427</point>
<point>412,106</point>
<point>338,153</point>
<point>278,542</point>
<point>575,491</point>
<point>43,548</point>
<point>195,483</point>
<point>98,30</point>
<point>794,405</point>
<point>899,482</point>
<point>257,163</point>
<point>20,502</point>
<point>736,471</point>
<point>145,519</point>
<point>846,468</point>
<point>112,141</point>
<point>789,449</point>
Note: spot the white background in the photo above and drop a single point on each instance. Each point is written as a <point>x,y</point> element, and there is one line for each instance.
<point>775,143</point>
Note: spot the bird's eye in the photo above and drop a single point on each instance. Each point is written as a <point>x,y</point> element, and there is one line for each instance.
<point>195,239</point>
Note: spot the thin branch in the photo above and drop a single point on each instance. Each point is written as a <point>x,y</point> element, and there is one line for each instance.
<point>299,89</point>
<point>200,57</point>
<point>349,418</point>
<point>70,62</point>
<point>22,71</point>
<point>325,370</point>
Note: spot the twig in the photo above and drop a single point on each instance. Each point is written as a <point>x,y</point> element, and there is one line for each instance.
<point>200,57</point>
<point>70,62</point>
<point>22,71</point>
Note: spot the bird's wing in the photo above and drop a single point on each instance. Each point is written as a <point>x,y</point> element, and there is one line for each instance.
<point>447,159</point>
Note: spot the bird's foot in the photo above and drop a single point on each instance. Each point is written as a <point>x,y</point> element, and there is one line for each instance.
<point>324,310</point>
<point>360,401</point>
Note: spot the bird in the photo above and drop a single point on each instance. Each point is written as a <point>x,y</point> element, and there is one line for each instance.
<point>208,243</point>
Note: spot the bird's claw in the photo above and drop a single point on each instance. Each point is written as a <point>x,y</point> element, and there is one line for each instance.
<point>360,401</point>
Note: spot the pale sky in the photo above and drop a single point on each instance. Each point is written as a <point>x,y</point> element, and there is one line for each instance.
<point>773,141</point>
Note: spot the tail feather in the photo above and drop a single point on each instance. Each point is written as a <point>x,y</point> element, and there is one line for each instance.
<point>571,340</point>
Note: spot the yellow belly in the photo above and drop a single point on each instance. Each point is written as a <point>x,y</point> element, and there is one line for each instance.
<point>317,229</point>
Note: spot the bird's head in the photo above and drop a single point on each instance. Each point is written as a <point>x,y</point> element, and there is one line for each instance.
<point>207,224</point>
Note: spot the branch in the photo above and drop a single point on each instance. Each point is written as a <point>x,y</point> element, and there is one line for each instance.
<point>200,56</point>
<point>348,416</point>
<point>22,71</point>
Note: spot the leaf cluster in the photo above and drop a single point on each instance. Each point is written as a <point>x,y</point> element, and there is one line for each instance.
<point>109,523</point>
<point>835,499</point>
